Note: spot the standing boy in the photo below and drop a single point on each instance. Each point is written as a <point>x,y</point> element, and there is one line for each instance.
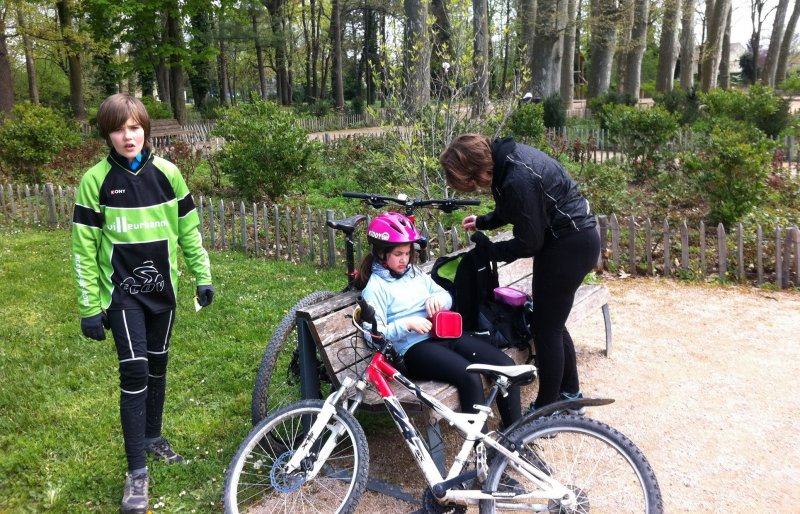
<point>132,212</point>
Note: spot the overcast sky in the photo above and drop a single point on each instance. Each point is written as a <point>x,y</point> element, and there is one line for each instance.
<point>742,26</point>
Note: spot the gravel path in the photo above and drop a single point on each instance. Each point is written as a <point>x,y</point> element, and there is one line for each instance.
<point>703,378</point>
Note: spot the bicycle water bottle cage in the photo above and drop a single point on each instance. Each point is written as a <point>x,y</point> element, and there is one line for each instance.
<point>346,225</point>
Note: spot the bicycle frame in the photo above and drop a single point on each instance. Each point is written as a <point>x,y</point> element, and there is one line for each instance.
<point>378,374</point>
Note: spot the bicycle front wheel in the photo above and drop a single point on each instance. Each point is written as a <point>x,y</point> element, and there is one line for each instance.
<point>278,381</point>
<point>605,469</point>
<point>257,479</point>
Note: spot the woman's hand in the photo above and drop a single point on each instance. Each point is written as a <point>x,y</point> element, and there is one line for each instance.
<point>418,325</point>
<point>468,223</point>
<point>433,305</point>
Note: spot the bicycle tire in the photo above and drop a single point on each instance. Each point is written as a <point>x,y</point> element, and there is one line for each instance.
<point>256,480</point>
<point>605,469</point>
<point>272,388</point>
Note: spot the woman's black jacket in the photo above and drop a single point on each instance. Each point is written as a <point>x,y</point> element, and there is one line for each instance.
<point>535,194</point>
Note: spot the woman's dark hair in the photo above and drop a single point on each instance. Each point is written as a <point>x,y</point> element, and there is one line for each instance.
<point>378,254</point>
<point>467,162</point>
<point>116,110</point>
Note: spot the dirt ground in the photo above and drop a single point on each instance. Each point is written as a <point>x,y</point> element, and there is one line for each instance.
<point>705,381</point>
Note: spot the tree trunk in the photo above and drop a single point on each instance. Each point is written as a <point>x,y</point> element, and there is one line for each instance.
<point>176,82</point>
<point>262,75</point>
<point>786,44</point>
<point>725,58</point>
<point>626,13</point>
<point>550,22</point>
<point>667,55</point>
<point>276,15</point>
<point>6,82</point>
<point>713,47</point>
<point>441,51</point>
<point>775,40</point>
<point>371,52</point>
<point>633,70</point>
<point>30,63</point>
<point>602,44</point>
<point>336,42</point>
<point>480,29</point>
<point>527,27</point>
<point>73,60</point>
<point>687,44</point>
<point>162,81</point>
<point>222,74</point>
<point>568,56</point>
<point>417,55</point>
<point>199,73</point>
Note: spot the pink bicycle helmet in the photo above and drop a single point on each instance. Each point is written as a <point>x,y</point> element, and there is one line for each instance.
<point>391,228</point>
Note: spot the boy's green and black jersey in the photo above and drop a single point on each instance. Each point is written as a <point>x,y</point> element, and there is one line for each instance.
<point>126,230</point>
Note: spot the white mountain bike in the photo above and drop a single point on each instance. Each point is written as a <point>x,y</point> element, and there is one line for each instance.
<point>312,456</point>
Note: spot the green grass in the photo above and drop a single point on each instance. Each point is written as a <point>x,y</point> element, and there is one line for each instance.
<point>60,439</point>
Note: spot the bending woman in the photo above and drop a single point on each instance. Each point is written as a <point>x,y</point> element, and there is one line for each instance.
<point>551,221</point>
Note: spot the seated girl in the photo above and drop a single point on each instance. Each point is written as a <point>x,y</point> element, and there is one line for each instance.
<point>404,297</point>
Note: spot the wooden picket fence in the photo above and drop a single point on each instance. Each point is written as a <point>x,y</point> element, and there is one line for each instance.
<point>629,245</point>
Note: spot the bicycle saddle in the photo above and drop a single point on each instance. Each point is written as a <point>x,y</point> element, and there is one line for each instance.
<point>346,225</point>
<point>519,373</point>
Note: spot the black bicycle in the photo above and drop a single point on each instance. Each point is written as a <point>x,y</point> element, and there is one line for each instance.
<point>287,374</point>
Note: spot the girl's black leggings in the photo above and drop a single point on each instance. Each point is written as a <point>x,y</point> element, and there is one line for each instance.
<point>446,360</point>
<point>558,271</point>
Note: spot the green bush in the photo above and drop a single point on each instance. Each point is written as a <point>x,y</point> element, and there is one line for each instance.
<point>602,105</point>
<point>157,110</point>
<point>362,163</point>
<point>731,169</point>
<point>643,135</point>
<point>30,137</point>
<point>684,104</point>
<point>758,106</point>
<point>555,114</point>
<point>526,125</point>
<point>791,84</point>
<point>605,185</point>
<point>265,151</point>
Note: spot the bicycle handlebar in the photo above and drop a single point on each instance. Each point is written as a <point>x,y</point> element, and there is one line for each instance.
<point>447,205</point>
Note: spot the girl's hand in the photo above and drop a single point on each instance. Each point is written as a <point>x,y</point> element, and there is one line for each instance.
<point>418,325</point>
<point>433,305</point>
<point>468,223</point>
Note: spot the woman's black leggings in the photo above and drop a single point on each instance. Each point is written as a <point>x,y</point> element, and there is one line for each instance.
<point>446,360</point>
<point>558,271</point>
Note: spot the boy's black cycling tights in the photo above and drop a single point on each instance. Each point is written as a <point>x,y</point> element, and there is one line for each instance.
<point>142,340</point>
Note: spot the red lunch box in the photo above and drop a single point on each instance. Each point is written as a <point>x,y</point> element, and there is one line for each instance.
<point>446,324</point>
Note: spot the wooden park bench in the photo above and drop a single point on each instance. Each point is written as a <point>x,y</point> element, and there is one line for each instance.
<point>329,326</point>
<point>163,132</point>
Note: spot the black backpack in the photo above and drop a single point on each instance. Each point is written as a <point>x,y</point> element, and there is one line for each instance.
<point>471,278</point>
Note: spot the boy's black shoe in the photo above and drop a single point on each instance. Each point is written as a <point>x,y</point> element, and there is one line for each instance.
<point>134,496</point>
<point>162,450</point>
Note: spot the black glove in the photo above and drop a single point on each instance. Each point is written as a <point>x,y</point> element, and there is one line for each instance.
<point>481,240</point>
<point>205,295</point>
<point>94,327</point>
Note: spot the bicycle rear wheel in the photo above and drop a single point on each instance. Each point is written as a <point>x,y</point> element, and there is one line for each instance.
<point>605,469</point>
<point>257,480</point>
<point>278,382</point>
